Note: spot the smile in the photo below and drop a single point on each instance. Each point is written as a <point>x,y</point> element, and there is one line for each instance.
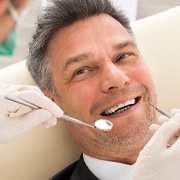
<point>120,107</point>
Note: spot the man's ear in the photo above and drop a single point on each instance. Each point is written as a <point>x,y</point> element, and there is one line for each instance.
<point>49,95</point>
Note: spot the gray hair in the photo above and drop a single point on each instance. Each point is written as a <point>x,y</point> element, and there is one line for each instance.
<point>59,14</point>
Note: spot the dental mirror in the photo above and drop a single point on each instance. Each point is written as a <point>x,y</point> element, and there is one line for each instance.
<point>100,124</point>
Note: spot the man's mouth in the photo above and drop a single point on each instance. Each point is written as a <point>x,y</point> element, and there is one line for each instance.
<point>120,107</point>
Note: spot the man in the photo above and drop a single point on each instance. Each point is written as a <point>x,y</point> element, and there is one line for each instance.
<point>84,56</point>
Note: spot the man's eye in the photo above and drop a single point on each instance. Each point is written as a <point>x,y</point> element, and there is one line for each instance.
<point>123,56</point>
<point>81,71</point>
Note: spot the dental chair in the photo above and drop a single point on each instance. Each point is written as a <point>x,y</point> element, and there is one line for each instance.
<point>41,153</point>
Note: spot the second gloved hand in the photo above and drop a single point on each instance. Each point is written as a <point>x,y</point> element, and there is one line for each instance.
<point>11,127</point>
<point>158,160</point>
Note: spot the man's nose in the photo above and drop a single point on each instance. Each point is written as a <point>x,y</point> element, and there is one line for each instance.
<point>113,78</point>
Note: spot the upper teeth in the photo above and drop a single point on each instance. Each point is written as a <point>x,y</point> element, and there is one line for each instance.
<point>115,108</point>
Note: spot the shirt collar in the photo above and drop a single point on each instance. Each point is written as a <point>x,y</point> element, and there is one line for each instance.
<point>106,170</point>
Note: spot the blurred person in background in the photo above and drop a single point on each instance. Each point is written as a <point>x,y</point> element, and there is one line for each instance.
<point>11,13</point>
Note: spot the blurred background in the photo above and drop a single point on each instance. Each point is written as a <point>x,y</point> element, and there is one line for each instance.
<point>136,9</point>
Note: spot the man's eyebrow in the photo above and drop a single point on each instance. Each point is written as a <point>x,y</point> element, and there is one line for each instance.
<point>77,58</point>
<point>122,45</point>
<point>87,55</point>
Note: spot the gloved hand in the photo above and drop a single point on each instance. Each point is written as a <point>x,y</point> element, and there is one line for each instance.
<point>158,160</point>
<point>11,127</point>
<point>161,120</point>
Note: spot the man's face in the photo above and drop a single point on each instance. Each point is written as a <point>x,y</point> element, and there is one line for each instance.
<point>99,74</point>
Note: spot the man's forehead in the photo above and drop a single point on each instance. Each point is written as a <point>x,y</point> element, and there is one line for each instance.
<point>78,36</point>
<point>94,21</point>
